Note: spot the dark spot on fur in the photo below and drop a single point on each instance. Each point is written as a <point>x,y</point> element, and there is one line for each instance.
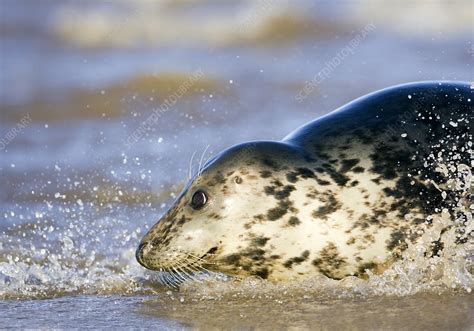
<point>265,173</point>
<point>259,217</point>
<point>301,172</point>
<point>283,207</point>
<point>232,259</point>
<point>276,213</point>
<point>296,260</point>
<point>270,163</point>
<point>323,182</point>
<point>329,207</point>
<point>330,261</point>
<point>293,221</point>
<point>397,243</point>
<point>358,170</point>
<point>278,183</point>
<point>183,220</point>
<point>218,179</point>
<point>366,266</point>
<point>262,273</point>
<point>363,136</point>
<point>251,259</point>
<point>351,241</point>
<point>388,162</point>
<point>327,166</point>
<point>319,154</point>
<point>255,254</point>
<point>281,193</point>
<point>260,241</point>
<point>292,177</point>
<point>347,165</point>
<point>313,193</point>
<point>337,177</point>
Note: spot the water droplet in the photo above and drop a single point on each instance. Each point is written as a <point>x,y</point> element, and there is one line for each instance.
<point>67,242</point>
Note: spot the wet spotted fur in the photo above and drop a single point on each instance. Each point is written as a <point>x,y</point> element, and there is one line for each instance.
<point>340,195</point>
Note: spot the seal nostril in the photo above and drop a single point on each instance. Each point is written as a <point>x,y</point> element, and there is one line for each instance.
<point>139,253</point>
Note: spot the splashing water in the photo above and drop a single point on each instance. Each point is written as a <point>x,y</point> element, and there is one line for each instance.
<point>42,259</point>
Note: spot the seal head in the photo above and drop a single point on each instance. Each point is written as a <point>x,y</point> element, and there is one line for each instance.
<point>209,223</point>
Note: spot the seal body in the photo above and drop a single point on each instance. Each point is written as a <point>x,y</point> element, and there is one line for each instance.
<point>342,194</point>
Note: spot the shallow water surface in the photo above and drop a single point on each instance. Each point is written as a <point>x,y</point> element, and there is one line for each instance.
<point>429,312</point>
<point>173,311</point>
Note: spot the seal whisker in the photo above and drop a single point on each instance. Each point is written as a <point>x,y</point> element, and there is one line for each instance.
<point>194,268</point>
<point>200,259</point>
<point>193,263</point>
<point>168,277</point>
<point>200,161</point>
<point>190,172</point>
<point>207,159</point>
<point>174,279</point>
<point>163,279</point>
<point>199,268</point>
<point>178,274</point>
<point>160,277</point>
<point>181,265</point>
<point>189,263</point>
<point>183,269</point>
<point>188,275</point>
<point>195,273</point>
<point>168,280</point>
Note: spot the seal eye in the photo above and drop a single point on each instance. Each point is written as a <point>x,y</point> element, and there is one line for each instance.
<point>199,199</point>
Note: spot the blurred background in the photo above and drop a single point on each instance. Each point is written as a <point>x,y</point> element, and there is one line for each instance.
<point>104,103</point>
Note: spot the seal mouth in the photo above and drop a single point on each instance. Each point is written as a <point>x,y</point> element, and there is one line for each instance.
<point>209,252</point>
<point>198,263</point>
<point>205,262</point>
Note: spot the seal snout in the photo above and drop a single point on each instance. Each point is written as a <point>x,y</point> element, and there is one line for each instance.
<point>139,253</point>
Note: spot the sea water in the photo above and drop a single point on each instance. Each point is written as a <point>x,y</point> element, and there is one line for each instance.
<point>83,178</point>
